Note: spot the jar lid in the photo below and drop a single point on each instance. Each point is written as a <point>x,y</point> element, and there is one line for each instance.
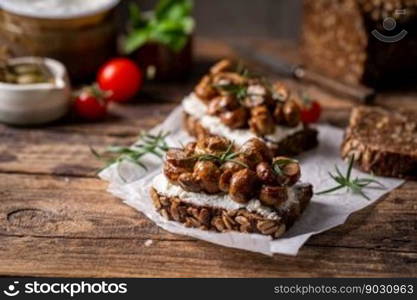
<point>57,9</point>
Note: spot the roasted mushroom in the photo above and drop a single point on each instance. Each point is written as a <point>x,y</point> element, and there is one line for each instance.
<point>242,186</point>
<point>261,122</point>
<point>280,92</point>
<point>287,170</point>
<point>214,165</point>
<point>292,113</point>
<point>225,179</point>
<point>208,175</point>
<point>204,90</point>
<point>172,172</point>
<point>279,113</point>
<point>266,174</point>
<point>214,145</point>
<point>228,78</point>
<point>255,151</point>
<point>189,183</point>
<point>273,195</point>
<point>234,166</point>
<point>189,149</point>
<point>179,158</point>
<point>224,65</point>
<point>222,104</point>
<point>257,95</point>
<point>235,119</point>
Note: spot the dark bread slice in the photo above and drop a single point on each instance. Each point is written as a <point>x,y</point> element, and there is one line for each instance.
<point>222,220</point>
<point>293,145</point>
<point>339,40</point>
<point>383,142</point>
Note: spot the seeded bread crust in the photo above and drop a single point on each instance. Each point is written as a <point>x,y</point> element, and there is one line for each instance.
<point>383,142</point>
<point>293,145</point>
<point>221,220</point>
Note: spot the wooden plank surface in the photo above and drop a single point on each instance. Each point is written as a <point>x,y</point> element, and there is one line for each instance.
<point>56,219</point>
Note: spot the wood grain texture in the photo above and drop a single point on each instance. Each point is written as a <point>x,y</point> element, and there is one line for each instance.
<point>56,218</point>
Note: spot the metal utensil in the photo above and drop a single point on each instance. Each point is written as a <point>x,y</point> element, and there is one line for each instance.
<point>281,66</point>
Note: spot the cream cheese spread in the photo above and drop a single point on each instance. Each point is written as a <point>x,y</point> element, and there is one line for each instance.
<point>162,185</point>
<point>196,108</point>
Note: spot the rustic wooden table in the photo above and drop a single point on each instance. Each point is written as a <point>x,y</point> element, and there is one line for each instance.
<point>56,218</point>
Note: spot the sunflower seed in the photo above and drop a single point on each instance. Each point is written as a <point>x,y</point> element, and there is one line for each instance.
<point>164,201</point>
<point>242,220</point>
<point>228,222</point>
<point>155,199</point>
<point>204,216</point>
<point>264,226</point>
<point>247,228</point>
<point>174,211</point>
<point>164,213</point>
<point>218,223</point>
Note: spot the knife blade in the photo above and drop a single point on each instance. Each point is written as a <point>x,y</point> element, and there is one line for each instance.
<point>284,68</point>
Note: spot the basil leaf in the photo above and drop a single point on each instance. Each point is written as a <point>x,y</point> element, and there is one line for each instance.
<point>170,24</point>
<point>135,40</point>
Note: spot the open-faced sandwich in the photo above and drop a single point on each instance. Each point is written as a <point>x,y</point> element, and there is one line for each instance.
<point>382,142</point>
<point>230,102</point>
<point>214,185</point>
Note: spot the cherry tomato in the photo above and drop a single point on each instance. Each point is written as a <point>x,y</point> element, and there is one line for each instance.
<point>310,112</point>
<point>122,77</point>
<point>91,104</point>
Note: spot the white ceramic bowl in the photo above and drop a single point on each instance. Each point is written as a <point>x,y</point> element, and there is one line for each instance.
<point>31,104</point>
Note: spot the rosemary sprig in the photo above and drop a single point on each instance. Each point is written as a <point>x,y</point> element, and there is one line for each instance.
<point>226,156</point>
<point>279,164</point>
<point>149,144</point>
<point>345,181</point>
<point>238,90</point>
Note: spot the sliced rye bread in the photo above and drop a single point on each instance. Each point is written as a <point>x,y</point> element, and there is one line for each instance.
<point>382,142</point>
<point>290,146</point>
<point>241,220</point>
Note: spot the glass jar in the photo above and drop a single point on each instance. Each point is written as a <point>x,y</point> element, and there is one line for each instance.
<point>82,42</point>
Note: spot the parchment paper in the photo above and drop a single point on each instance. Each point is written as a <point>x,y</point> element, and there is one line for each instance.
<point>131,184</point>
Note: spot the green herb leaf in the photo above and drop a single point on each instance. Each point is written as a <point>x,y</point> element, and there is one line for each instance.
<point>344,181</point>
<point>239,91</point>
<point>135,40</point>
<point>169,24</point>
<point>226,156</point>
<point>149,144</point>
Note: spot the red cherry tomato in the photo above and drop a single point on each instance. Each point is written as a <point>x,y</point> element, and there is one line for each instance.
<point>122,77</point>
<point>91,104</point>
<point>310,112</point>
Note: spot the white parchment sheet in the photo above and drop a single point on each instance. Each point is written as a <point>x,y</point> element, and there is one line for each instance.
<point>131,184</point>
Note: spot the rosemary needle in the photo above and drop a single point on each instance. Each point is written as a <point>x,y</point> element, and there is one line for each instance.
<point>240,91</point>
<point>345,181</point>
<point>149,144</point>
<point>226,156</point>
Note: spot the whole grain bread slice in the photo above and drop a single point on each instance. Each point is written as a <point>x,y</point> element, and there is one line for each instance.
<point>382,142</point>
<point>295,144</point>
<point>222,220</point>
